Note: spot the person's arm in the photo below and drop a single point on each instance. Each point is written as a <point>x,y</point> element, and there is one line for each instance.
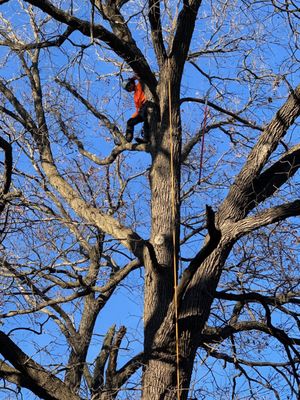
<point>135,114</point>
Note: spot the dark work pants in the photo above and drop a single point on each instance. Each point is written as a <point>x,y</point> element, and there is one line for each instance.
<point>141,117</point>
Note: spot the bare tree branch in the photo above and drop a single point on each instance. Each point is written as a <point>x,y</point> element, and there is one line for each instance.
<point>184,29</point>
<point>57,42</point>
<point>235,205</point>
<point>269,181</point>
<point>98,376</point>
<point>219,334</point>
<point>290,298</point>
<point>235,115</point>
<point>41,382</point>
<point>110,126</point>
<point>233,360</point>
<point>156,31</point>
<point>129,52</point>
<point>111,12</point>
<point>105,222</point>
<point>266,217</point>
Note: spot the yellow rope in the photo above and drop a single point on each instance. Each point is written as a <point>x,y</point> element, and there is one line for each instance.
<point>174,240</point>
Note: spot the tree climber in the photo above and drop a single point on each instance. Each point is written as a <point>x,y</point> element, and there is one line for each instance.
<point>140,115</point>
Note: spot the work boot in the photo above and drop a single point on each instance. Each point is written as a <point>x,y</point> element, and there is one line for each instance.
<point>142,140</point>
<point>144,137</point>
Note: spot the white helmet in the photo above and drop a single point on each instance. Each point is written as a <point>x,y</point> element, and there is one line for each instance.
<point>125,83</point>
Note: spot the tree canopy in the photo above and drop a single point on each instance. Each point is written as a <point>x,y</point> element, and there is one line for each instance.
<point>162,270</point>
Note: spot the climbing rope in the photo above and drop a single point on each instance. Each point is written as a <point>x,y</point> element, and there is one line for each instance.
<point>174,236</point>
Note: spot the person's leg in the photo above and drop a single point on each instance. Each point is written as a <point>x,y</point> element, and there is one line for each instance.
<point>146,130</point>
<point>130,127</point>
<point>145,133</point>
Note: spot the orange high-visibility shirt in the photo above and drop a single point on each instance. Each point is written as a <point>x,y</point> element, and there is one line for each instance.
<point>139,98</point>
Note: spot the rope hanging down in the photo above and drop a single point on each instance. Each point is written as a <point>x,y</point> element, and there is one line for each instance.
<point>174,240</point>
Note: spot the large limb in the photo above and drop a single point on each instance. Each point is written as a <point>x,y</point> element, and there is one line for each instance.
<point>236,204</point>
<point>40,381</point>
<point>257,187</point>
<point>264,218</point>
<point>269,181</point>
<point>128,51</point>
<point>184,30</point>
<point>110,11</point>
<point>92,215</point>
<point>120,3</point>
<point>198,284</point>
<point>156,31</point>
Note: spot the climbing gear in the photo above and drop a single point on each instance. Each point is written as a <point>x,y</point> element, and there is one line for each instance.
<point>125,83</point>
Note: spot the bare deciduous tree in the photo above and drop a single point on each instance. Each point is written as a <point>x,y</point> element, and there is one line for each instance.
<point>84,218</point>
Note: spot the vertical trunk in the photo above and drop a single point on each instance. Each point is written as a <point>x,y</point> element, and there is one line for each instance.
<point>160,377</point>
<point>165,208</point>
<point>105,396</point>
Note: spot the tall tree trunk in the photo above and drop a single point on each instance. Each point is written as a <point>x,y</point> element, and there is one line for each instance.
<point>161,375</point>
<point>165,207</point>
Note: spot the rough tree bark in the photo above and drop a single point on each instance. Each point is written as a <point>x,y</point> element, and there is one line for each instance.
<point>197,286</point>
